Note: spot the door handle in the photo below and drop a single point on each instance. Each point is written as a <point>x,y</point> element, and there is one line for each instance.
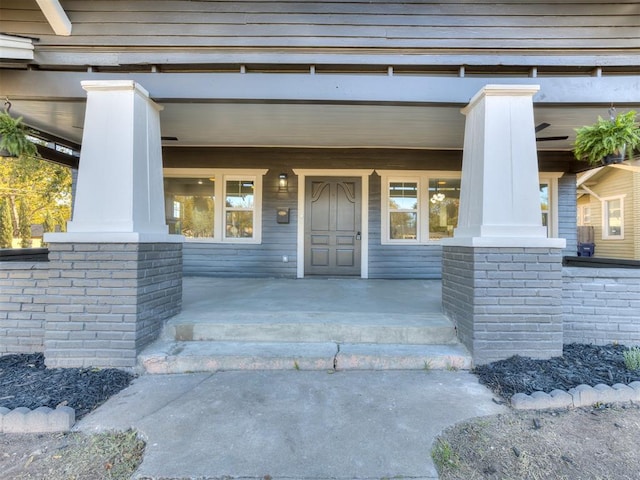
<point>358,236</point>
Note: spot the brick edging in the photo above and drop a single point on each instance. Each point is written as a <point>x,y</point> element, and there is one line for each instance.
<point>39,420</point>
<point>580,396</point>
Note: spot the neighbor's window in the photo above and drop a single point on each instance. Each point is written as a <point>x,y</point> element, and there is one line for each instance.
<point>192,208</point>
<point>584,216</point>
<point>613,218</point>
<point>418,207</point>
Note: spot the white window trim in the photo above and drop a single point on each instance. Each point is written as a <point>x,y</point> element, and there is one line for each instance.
<point>605,217</point>
<point>422,177</point>
<point>222,175</point>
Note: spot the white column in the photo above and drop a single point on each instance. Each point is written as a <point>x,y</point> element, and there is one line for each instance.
<point>120,194</point>
<point>500,196</point>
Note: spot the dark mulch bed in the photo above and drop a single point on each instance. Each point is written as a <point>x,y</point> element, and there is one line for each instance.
<point>579,364</point>
<point>26,382</point>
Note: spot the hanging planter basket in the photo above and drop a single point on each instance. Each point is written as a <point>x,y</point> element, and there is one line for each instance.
<point>13,136</point>
<point>608,141</point>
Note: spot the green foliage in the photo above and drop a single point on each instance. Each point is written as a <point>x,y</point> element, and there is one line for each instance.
<point>43,187</point>
<point>6,226</point>
<point>607,137</point>
<point>24,225</point>
<point>13,137</point>
<point>632,358</point>
<point>444,457</point>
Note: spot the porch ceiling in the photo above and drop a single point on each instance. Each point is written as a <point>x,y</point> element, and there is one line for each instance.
<point>308,124</point>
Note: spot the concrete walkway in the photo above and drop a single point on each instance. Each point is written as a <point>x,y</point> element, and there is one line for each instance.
<point>292,424</point>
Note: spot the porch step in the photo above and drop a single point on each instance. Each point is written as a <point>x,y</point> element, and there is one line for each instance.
<point>207,356</point>
<point>317,327</point>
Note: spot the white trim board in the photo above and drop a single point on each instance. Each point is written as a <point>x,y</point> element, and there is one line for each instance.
<point>364,174</point>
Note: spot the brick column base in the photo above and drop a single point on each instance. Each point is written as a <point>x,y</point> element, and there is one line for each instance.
<point>107,301</point>
<point>504,301</point>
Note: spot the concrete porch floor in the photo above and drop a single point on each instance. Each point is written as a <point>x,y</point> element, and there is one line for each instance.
<point>204,296</point>
<point>312,324</point>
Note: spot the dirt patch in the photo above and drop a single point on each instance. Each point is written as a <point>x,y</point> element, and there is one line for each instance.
<point>585,443</point>
<point>113,456</point>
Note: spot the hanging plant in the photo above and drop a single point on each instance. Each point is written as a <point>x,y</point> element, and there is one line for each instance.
<point>13,136</point>
<point>606,141</point>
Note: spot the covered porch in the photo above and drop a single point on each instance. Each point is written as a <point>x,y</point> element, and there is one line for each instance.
<point>311,324</point>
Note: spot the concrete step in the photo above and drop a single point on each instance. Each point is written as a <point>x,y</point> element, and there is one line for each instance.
<point>206,356</point>
<point>318,327</point>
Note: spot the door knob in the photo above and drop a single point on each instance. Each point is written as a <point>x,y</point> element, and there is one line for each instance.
<point>358,236</point>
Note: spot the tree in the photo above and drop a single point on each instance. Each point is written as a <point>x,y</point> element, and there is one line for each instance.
<point>6,227</point>
<point>43,187</point>
<point>24,220</point>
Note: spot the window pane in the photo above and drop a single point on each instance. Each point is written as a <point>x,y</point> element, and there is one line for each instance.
<point>189,206</point>
<point>239,194</point>
<point>239,224</point>
<point>614,217</point>
<point>403,225</point>
<point>444,201</point>
<point>403,195</point>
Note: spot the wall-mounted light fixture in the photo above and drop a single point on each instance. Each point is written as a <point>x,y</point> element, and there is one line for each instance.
<point>283,183</point>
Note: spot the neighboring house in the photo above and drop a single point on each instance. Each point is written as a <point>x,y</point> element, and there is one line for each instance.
<point>314,138</point>
<point>609,201</point>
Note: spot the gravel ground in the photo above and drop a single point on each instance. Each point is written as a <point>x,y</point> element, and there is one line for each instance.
<point>26,382</point>
<point>579,364</point>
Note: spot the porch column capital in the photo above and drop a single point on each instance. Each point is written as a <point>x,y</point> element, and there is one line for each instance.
<point>500,194</point>
<point>120,194</point>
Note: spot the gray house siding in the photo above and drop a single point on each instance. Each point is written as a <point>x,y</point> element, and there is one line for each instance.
<point>194,28</point>
<point>567,222</point>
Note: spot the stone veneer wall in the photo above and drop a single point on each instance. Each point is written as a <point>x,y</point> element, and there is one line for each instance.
<point>22,306</point>
<point>504,301</point>
<point>108,301</point>
<point>601,305</point>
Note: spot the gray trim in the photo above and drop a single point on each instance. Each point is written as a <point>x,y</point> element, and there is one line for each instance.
<point>344,89</point>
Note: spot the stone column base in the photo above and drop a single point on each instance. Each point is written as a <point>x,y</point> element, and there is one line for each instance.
<point>504,301</point>
<point>107,301</point>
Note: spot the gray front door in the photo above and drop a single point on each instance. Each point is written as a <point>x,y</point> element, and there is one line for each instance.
<point>332,226</point>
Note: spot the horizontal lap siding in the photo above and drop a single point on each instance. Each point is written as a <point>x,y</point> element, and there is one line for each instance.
<point>388,24</point>
<point>611,184</point>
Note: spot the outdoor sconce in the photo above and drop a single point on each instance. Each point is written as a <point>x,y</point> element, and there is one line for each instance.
<point>283,183</point>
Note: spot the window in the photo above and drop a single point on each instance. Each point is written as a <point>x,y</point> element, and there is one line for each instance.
<point>419,207</point>
<point>584,216</point>
<point>192,208</point>
<point>613,218</point>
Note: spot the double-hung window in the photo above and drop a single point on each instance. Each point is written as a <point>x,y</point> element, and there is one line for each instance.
<point>214,205</point>
<point>613,218</point>
<point>418,206</point>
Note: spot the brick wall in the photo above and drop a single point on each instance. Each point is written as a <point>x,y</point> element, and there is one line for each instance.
<point>601,305</point>
<point>105,302</point>
<point>504,301</point>
<point>22,307</point>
